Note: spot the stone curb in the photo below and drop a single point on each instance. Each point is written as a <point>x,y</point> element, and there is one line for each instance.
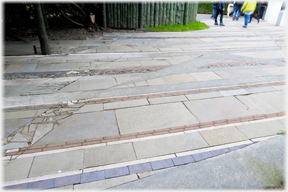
<point>122,171</point>
<point>63,145</point>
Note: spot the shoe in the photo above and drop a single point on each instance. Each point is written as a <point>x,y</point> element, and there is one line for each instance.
<point>215,23</point>
<point>221,24</point>
<point>245,26</point>
<point>249,22</point>
<point>212,18</point>
<point>258,21</point>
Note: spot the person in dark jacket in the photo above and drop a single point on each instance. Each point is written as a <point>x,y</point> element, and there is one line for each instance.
<point>219,6</point>
<point>255,13</point>
<point>263,6</point>
<point>238,5</point>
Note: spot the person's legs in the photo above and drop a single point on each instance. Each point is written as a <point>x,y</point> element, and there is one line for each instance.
<point>238,14</point>
<point>216,15</point>
<point>221,16</point>
<point>246,18</point>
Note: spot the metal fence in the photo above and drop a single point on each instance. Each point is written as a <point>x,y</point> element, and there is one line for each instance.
<point>148,14</point>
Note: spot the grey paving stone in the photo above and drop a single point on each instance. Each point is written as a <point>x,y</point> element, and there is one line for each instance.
<point>283,121</point>
<point>82,126</point>
<point>57,163</point>
<point>64,188</point>
<point>23,186</point>
<point>85,85</point>
<point>11,125</point>
<point>248,73</point>
<point>15,145</point>
<point>42,129</point>
<point>28,68</point>
<point>125,104</point>
<point>109,155</point>
<point>151,117</point>
<point>220,151</point>
<point>116,172</point>
<point>203,95</point>
<point>107,183</point>
<point>43,67</point>
<point>162,164</point>
<point>233,92</point>
<point>17,169</point>
<point>202,156</point>
<point>121,80</point>
<point>262,129</point>
<point>260,89</point>
<point>68,180</point>
<point>217,109</point>
<point>156,81</point>
<point>178,78</point>
<point>167,145</point>
<point>140,168</point>
<point>167,99</point>
<point>205,76</point>
<point>18,138</point>
<point>223,136</point>
<point>20,114</point>
<point>183,160</point>
<point>90,108</point>
<point>92,176</point>
<point>271,97</point>
<point>41,185</point>
<point>237,147</point>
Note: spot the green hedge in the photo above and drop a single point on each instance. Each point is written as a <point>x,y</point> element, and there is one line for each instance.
<point>206,8</point>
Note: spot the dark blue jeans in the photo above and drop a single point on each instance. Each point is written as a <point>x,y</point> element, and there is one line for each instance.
<point>221,16</point>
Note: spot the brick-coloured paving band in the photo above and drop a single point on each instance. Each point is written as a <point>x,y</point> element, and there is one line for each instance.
<point>156,95</point>
<point>71,144</point>
<point>122,171</point>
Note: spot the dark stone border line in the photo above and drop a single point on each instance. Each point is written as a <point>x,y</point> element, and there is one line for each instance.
<point>71,144</point>
<point>121,171</point>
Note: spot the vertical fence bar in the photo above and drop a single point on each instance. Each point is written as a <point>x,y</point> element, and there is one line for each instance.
<point>104,15</point>
<point>152,10</point>
<point>186,9</point>
<point>156,18</point>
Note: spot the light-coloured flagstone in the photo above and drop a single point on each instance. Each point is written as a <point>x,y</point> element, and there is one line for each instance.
<point>274,99</point>
<point>109,155</point>
<point>120,64</point>
<point>168,145</point>
<point>262,129</point>
<point>107,183</point>
<point>207,110</point>
<point>19,138</point>
<point>17,169</point>
<point>170,99</point>
<point>68,187</point>
<point>20,114</point>
<point>121,80</point>
<point>223,136</point>
<point>280,87</point>
<point>170,49</point>
<point>276,70</point>
<point>42,129</point>
<point>90,108</point>
<point>233,92</point>
<point>15,145</point>
<point>205,76</point>
<point>154,63</point>
<point>149,173</point>
<point>153,117</point>
<point>125,104</point>
<point>13,68</point>
<point>141,83</point>
<point>156,81</point>
<point>203,95</point>
<point>179,78</point>
<point>57,163</point>
<point>82,126</point>
<point>85,85</point>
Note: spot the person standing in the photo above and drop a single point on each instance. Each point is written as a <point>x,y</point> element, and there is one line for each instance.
<point>255,13</point>
<point>219,6</point>
<point>248,8</point>
<point>238,5</point>
<point>263,6</point>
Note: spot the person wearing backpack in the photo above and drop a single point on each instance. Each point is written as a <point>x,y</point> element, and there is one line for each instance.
<point>248,8</point>
<point>219,7</point>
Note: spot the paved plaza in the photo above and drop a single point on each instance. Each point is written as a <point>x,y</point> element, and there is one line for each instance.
<point>139,110</point>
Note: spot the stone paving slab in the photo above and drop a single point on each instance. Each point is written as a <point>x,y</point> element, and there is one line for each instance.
<point>168,145</point>
<point>178,78</point>
<point>204,95</point>
<point>20,114</point>
<point>57,163</point>
<point>170,99</point>
<point>205,76</point>
<point>11,125</point>
<point>223,136</point>
<point>156,81</point>
<point>82,126</point>
<point>151,117</point>
<point>263,129</point>
<point>207,110</point>
<point>17,169</point>
<point>271,97</point>
<point>233,74</point>
<point>109,155</point>
<point>276,70</point>
<point>107,183</point>
<point>125,104</point>
<point>90,108</point>
<point>233,92</point>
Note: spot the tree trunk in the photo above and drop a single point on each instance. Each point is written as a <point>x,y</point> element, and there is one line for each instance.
<point>42,35</point>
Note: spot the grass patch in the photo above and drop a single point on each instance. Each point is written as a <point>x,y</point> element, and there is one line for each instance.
<point>197,25</point>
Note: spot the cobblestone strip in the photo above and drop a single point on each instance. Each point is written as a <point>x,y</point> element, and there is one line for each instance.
<point>49,147</point>
<point>124,170</point>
